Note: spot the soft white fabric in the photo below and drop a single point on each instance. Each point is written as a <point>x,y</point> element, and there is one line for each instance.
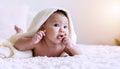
<point>11,15</point>
<point>92,57</point>
<point>7,49</point>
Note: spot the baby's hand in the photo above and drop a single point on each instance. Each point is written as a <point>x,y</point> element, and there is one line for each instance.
<point>70,47</point>
<point>66,41</point>
<point>38,36</point>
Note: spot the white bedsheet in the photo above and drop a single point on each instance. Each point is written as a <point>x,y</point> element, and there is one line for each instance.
<point>92,57</point>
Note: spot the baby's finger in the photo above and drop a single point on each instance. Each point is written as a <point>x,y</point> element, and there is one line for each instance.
<point>41,33</point>
<point>65,40</point>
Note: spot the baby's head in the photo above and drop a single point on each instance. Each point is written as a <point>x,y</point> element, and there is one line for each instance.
<point>54,21</point>
<point>56,26</point>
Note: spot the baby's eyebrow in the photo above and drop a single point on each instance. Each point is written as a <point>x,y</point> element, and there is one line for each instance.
<point>66,23</point>
<point>55,20</point>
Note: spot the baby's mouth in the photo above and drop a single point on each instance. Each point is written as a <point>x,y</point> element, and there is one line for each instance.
<point>60,37</point>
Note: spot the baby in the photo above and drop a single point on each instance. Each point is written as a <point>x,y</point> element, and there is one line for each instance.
<point>51,39</point>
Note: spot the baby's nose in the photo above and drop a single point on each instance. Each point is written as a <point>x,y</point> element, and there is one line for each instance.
<point>62,30</point>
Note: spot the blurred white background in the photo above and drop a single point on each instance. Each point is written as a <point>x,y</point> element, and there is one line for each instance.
<point>95,21</point>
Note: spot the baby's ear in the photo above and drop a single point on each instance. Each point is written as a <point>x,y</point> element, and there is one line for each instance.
<point>42,28</point>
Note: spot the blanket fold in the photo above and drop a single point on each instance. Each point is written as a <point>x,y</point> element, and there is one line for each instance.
<point>7,49</point>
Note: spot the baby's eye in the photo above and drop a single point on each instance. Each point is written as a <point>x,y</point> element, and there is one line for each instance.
<point>65,27</point>
<point>56,25</point>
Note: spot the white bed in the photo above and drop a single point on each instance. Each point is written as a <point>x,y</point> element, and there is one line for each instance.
<point>92,57</point>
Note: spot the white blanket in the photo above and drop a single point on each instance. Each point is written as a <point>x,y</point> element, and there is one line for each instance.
<point>7,48</point>
<point>92,57</point>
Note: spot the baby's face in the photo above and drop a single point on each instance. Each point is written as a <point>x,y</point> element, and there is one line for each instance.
<point>56,27</point>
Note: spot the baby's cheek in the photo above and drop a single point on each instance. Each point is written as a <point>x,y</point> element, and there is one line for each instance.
<point>67,32</point>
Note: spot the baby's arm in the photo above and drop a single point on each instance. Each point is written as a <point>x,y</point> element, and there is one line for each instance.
<point>24,44</point>
<point>28,43</point>
<point>70,48</point>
